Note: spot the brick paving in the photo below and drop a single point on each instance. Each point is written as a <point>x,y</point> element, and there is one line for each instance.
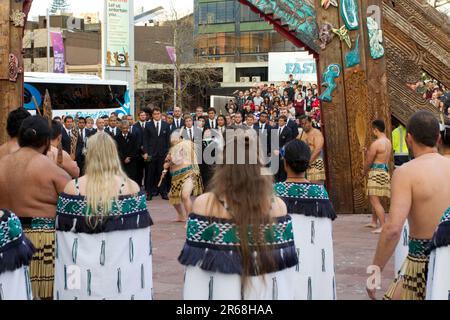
<point>354,247</point>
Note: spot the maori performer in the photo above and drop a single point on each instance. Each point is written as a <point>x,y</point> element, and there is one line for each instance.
<point>238,249</point>
<point>186,178</point>
<point>421,196</point>
<point>315,140</point>
<point>13,123</point>
<point>312,215</point>
<point>29,172</point>
<point>16,252</point>
<point>103,232</point>
<point>379,182</point>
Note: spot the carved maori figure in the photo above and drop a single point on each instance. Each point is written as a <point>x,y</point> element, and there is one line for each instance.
<point>353,57</point>
<point>18,18</point>
<point>14,68</point>
<point>329,81</point>
<point>349,13</point>
<point>325,34</point>
<point>343,35</point>
<point>375,39</point>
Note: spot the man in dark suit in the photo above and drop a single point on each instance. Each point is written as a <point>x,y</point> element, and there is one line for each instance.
<point>284,135</point>
<point>67,133</point>
<point>156,143</point>
<point>211,122</point>
<point>178,121</point>
<point>141,165</point>
<point>83,135</point>
<point>129,151</point>
<point>112,129</point>
<point>291,124</point>
<point>264,129</point>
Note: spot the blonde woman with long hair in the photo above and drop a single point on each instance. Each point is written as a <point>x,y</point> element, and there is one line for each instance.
<point>103,246</point>
<point>239,246</point>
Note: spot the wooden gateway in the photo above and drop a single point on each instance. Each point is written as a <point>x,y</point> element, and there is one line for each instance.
<point>367,51</point>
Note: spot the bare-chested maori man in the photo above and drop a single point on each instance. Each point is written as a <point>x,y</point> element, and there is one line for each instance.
<point>420,193</point>
<point>315,140</point>
<point>379,181</point>
<point>15,119</point>
<point>29,186</point>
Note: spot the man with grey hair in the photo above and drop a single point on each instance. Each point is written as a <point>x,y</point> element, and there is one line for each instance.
<point>128,148</point>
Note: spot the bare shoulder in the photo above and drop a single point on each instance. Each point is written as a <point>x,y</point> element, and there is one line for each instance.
<point>279,208</point>
<point>133,186</point>
<point>203,203</point>
<point>70,188</point>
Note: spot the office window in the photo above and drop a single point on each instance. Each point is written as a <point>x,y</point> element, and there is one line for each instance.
<point>216,12</point>
<point>247,15</point>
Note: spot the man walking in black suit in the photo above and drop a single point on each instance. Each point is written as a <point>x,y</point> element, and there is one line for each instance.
<point>178,121</point>
<point>141,165</point>
<point>291,124</point>
<point>67,134</point>
<point>156,143</point>
<point>211,123</point>
<point>83,135</point>
<point>112,128</point>
<point>128,148</point>
<point>264,129</point>
<point>284,135</point>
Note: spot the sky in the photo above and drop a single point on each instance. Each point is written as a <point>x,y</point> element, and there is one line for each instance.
<point>183,7</point>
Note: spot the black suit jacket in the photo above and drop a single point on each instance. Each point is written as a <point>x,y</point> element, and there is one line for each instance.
<point>138,131</point>
<point>127,148</point>
<point>267,133</point>
<point>208,126</point>
<point>173,126</point>
<point>154,145</point>
<point>109,131</point>
<point>285,136</point>
<point>293,126</point>
<point>65,140</point>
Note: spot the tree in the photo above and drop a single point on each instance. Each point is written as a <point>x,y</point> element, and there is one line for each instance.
<point>61,5</point>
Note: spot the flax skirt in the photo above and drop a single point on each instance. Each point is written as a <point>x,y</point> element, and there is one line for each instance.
<point>316,171</point>
<point>43,263</point>
<point>379,183</point>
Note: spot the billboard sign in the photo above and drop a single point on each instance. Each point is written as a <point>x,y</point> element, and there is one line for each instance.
<point>118,33</point>
<point>300,64</point>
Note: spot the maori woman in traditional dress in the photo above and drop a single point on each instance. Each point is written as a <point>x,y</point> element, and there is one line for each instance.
<point>186,179</point>
<point>312,216</point>
<point>16,252</point>
<point>438,282</point>
<point>30,183</point>
<point>103,239</point>
<point>239,246</point>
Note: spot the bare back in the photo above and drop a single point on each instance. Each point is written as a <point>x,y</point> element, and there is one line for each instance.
<point>30,183</point>
<point>9,147</point>
<point>382,148</point>
<point>424,183</point>
<point>315,140</point>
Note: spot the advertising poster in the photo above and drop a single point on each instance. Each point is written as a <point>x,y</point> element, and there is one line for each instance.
<point>58,52</point>
<point>118,33</point>
<point>300,64</point>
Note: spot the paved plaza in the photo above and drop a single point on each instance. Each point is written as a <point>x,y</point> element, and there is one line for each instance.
<point>354,247</point>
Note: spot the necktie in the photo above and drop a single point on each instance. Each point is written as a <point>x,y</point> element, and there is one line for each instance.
<point>177,123</point>
<point>157,128</point>
<point>279,131</point>
<point>211,124</point>
<point>143,125</point>
<point>81,135</point>
<point>190,134</point>
<point>262,128</point>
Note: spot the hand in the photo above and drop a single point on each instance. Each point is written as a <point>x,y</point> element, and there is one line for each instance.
<point>145,156</point>
<point>363,149</point>
<point>276,152</point>
<point>127,160</point>
<point>372,293</point>
<point>166,165</point>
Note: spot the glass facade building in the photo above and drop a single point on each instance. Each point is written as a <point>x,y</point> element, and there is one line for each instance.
<point>227,31</point>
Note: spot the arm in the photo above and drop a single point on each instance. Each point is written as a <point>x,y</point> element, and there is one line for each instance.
<point>370,157</point>
<point>60,179</point>
<point>70,166</point>
<point>145,142</point>
<point>318,146</point>
<point>400,207</point>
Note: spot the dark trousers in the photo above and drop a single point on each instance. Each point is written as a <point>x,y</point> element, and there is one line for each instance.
<point>130,170</point>
<point>141,170</point>
<point>154,172</point>
<point>206,172</point>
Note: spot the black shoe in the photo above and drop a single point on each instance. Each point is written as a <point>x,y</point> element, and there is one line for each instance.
<point>164,197</point>
<point>155,193</point>
<point>149,197</point>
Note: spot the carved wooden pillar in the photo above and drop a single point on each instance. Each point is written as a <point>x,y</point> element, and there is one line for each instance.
<point>360,97</point>
<point>11,34</point>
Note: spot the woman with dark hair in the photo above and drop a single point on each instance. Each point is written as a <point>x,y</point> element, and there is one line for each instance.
<point>312,215</point>
<point>238,247</point>
<point>445,136</point>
